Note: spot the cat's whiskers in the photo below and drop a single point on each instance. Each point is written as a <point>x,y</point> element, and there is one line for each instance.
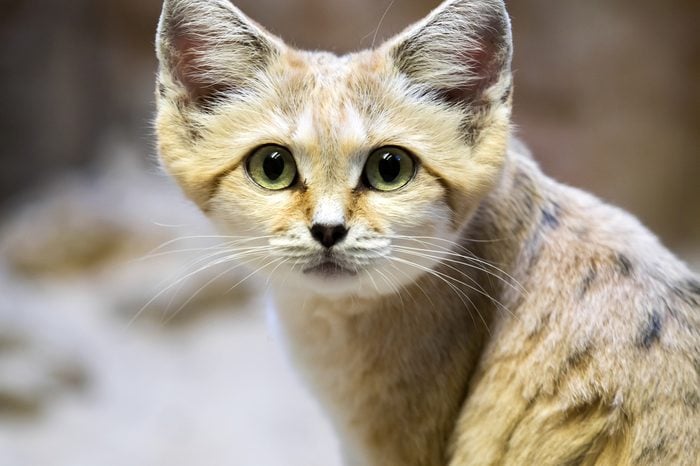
<point>477,289</point>
<point>213,257</point>
<point>393,286</point>
<point>203,287</point>
<point>460,293</point>
<point>446,263</point>
<point>272,272</point>
<point>415,282</point>
<point>445,251</point>
<point>453,243</point>
<point>227,255</point>
<point>276,259</point>
<point>450,248</point>
<point>371,279</point>
<point>233,240</point>
<point>437,255</point>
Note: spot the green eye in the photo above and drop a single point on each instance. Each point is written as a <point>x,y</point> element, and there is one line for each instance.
<point>389,169</point>
<point>272,167</point>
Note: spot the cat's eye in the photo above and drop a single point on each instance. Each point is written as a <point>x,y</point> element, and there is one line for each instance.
<point>389,168</point>
<point>272,167</point>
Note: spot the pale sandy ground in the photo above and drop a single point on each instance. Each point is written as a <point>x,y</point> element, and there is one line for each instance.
<point>80,386</point>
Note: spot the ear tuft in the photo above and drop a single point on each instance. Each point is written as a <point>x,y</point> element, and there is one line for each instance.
<point>462,49</point>
<point>210,48</point>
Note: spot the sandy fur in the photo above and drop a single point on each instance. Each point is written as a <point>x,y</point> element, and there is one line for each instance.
<point>497,317</point>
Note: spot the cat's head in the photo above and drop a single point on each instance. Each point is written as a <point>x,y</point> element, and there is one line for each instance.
<point>348,174</point>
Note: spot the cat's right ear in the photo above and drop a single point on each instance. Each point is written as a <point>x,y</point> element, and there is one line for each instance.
<point>460,51</point>
<point>208,49</point>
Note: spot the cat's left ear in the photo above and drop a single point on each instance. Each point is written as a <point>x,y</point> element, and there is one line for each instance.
<point>209,48</point>
<point>462,51</point>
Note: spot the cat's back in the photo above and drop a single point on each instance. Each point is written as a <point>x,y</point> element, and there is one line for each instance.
<point>603,347</point>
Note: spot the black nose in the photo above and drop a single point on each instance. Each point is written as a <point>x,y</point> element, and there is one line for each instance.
<point>328,235</point>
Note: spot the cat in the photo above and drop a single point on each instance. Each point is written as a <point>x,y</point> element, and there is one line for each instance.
<point>448,303</point>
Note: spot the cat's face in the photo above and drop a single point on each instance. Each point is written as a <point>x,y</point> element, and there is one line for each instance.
<point>345,175</point>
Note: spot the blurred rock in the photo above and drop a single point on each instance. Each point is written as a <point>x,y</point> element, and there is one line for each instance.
<point>40,352</point>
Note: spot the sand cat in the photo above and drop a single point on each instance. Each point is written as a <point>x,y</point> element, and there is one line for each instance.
<point>448,303</point>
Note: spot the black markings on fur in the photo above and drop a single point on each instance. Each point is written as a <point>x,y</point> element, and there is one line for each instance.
<point>161,90</point>
<point>579,358</point>
<point>652,330</point>
<point>578,460</point>
<point>505,98</point>
<point>688,291</point>
<point>550,216</point>
<point>692,400</point>
<point>694,287</point>
<point>194,132</point>
<point>653,453</point>
<point>588,280</point>
<point>624,264</point>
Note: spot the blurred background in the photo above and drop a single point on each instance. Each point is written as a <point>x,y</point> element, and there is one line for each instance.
<point>116,348</point>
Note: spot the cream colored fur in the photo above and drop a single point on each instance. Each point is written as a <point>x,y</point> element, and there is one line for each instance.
<point>495,317</point>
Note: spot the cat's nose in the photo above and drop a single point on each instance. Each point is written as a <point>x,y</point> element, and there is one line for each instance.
<point>328,235</point>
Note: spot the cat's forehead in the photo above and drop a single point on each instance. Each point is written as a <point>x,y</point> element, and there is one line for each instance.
<point>328,109</point>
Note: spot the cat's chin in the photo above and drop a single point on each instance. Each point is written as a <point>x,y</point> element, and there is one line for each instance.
<point>329,271</point>
<point>331,280</point>
<point>326,279</point>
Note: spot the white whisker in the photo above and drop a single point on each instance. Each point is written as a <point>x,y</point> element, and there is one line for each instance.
<point>460,294</point>
<point>203,287</point>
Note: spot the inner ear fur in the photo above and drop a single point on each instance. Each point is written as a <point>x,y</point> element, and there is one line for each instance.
<point>210,48</point>
<point>461,50</point>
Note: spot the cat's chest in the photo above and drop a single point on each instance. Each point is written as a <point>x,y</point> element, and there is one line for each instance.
<point>388,383</point>
<point>323,342</point>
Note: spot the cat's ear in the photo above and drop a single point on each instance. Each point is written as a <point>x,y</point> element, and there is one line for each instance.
<point>209,48</point>
<point>461,50</point>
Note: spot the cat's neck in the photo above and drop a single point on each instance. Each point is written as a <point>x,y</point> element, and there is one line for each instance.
<point>377,361</point>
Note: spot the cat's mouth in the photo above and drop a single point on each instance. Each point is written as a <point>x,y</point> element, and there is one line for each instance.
<point>330,269</point>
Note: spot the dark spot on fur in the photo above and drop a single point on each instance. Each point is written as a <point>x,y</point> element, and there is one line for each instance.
<point>528,203</point>
<point>624,265</point>
<point>194,133</point>
<point>588,280</point>
<point>694,287</point>
<point>521,180</point>
<point>215,183</point>
<point>577,460</point>
<point>550,216</point>
<point>581,232</point>
<point>506,95</point>
<point>161,90</point>
<point>542,325</point>
<point>653,453</point>
<point>688,291</point>
<point>692,400</point>
<point>652,330</point>
<point>579,358</point>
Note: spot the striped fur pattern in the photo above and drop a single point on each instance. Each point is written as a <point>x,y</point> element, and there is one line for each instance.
<point>489,315</point>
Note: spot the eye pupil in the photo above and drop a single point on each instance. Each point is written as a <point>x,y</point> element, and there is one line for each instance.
<point>389,167</point>
<point>273,166</point>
